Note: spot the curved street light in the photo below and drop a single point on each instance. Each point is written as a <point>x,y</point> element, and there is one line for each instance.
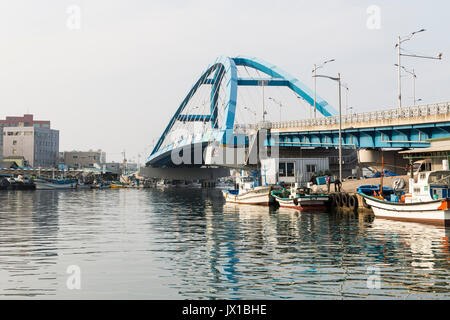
<point>314,71</point>
<point>278,103</point>
<point>250,110</point>
<point>338,79</point>
<point>414,76</point>
<point>398,64</point>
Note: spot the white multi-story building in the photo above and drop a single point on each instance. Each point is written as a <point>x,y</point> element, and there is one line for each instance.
<point>39,146</point>
<point>84,159</point>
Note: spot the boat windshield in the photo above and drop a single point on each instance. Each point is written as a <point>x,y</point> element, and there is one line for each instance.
<point>440,177</point>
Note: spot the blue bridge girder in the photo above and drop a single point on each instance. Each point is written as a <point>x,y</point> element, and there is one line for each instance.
<point>402,136</point>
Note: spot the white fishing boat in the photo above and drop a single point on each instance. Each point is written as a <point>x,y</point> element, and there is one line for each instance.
<point>55,184</point>
<point>248,193</point>
<point>427,201</point>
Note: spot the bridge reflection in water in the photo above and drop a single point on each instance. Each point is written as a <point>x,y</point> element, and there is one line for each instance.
<point>239,251</point>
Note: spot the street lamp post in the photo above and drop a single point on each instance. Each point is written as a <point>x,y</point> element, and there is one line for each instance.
<point>414,76</point>
<point>315,85</point>
<point>400,54</point>
<point>338,79</point>
<point>346,97</point>
<point>340,128</point>
<point>250,110</point>
<point>278,103</point>
<point>399,73</point>
<point>263,83</point>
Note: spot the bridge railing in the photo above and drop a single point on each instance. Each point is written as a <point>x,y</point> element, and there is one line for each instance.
<point>434,109</point>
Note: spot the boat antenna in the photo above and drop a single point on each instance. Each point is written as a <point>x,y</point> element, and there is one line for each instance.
<point>301,164</point>
<point>382,172</point>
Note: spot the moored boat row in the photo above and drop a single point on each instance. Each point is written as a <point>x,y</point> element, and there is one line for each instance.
<point>427,200</point>
<point>297,198</point>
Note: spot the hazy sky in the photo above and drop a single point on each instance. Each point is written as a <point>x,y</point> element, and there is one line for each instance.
<point>115,82</point>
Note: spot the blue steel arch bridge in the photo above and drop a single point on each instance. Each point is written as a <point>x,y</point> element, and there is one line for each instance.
<point>222,107</point>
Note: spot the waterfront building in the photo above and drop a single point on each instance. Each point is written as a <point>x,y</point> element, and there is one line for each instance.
<point>39,146</point>
<point>113,167</point>
<point>292,170</point>
<point>432,156</point>
<point>8,165</point>
<point>19,160</point>
<point>26,121</point>
<point>84,159</point>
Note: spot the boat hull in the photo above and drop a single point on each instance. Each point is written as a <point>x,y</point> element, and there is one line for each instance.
<point>257,196</point>
<point>435,212</point>
<point>47,185</point>
<point>116,186</point>
<point>310,203</point>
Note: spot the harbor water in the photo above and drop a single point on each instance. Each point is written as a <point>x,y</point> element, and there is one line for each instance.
<point>182,243</point>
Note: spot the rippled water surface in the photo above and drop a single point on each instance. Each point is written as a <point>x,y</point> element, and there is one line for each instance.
<point>188,244</point>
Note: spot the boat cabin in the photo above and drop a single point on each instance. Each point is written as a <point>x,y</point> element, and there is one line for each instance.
<point>245,183</point>
<point>431,185</point>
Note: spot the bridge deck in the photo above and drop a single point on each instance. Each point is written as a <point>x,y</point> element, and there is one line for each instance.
<point>417,116</point>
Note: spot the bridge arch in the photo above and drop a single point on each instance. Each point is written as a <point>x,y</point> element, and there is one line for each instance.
<point>230,73</point>
<point>291,82</point>
<point>224,70</point>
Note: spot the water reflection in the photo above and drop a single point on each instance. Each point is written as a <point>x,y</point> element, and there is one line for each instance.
<point>187,243</point>
<point>29,229</point>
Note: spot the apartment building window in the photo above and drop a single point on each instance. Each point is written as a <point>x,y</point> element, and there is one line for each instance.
<point>14,142</point>
<point>310,168</point>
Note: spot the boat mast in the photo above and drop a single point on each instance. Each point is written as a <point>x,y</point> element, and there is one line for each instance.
<point>382,173</point>
<point>301,164</point>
